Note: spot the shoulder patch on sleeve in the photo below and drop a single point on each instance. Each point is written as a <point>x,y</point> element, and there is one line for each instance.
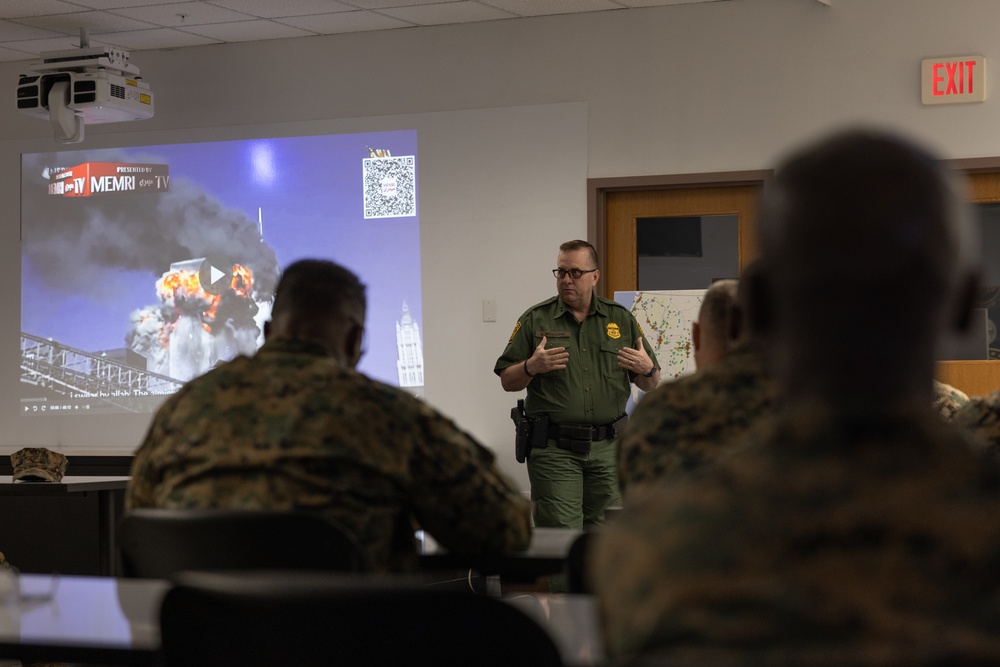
<point>517,327</point>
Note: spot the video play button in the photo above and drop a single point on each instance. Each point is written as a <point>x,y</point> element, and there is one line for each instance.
<point>215,274</point>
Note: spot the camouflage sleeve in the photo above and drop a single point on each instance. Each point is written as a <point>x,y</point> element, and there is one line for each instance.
<point>980,416</point>
<point>647,447</point>
<point>948,400</point>
<point>460,497</point>
<point>625,570</point>
<point>141,487</point>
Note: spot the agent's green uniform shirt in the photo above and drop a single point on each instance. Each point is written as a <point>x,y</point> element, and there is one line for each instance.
<point>291,428</point>
<point>592,389</point>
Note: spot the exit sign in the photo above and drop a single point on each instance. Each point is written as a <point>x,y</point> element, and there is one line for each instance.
<point>953,80</point>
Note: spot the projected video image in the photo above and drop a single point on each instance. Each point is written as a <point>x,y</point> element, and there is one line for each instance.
<point>145,267</point>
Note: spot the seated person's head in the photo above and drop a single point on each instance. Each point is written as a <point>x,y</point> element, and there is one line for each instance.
<point>320,302</point>
<point>712,334</point>
<point>867,255</point>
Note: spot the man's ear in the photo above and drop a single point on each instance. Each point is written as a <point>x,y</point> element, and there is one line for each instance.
<point>352,344</point>
<point>965,299</point>
<point>696,336</point>
<point>736,325</point>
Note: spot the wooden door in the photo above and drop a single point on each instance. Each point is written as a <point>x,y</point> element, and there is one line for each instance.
<point>976,378</point>
<point>623,208</point>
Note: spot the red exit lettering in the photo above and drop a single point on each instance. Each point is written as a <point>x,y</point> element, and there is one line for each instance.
<point>956,78</point>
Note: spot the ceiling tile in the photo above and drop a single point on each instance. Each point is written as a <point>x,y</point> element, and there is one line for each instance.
<point>12,9</point>
<point>34,26</point>
<point>9,55</point>
<point>387,4</point>
<point>16,31</point>
<point>452,12</point>
<point>662,3</point>
<point>542,7</point>
<point>271,10</point>
<point>116,4</point>
<point>176,14</point>
<point>358,21</point>
<point>35,46</point>
<point>155,38</point>
<point>247,31</point>
<point>95,22</point>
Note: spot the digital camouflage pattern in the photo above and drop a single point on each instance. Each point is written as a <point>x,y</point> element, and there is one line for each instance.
<point>866,537</point>
<point>38,464</point>
<point>292,429</point>
<point>948,400</point>
<point>682,425</point>
<point>981,416</point>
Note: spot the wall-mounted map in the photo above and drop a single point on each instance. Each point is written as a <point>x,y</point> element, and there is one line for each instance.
<point>665,317</point>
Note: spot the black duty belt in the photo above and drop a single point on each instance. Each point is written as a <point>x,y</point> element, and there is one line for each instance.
<point>583,432</point>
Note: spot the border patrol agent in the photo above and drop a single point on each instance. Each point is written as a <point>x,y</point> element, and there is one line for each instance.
<point>577,355</point>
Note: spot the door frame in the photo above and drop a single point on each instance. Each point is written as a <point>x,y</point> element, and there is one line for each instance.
<point>597,189</point>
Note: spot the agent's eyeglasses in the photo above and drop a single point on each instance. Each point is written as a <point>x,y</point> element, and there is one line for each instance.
<point>575,274</point>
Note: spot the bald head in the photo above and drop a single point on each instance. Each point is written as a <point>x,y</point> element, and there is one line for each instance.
<point>866,254</point>
<point>713,334</point>
<point>322,302</point>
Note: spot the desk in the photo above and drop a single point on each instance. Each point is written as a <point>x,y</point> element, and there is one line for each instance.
<point>545,555</point>
<point>116,621</point>
<point>88,619</point>
<point>66,526</point>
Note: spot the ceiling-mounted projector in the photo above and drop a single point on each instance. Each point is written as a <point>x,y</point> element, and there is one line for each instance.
<point>82,86</point>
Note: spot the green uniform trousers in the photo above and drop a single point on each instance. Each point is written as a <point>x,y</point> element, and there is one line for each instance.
<point>570,489</point>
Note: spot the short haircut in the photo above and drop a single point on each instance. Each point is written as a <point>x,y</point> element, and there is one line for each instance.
<point>864,217</point>
<point>578,244</point>
<point>715,314</point>
<point>319,289</point>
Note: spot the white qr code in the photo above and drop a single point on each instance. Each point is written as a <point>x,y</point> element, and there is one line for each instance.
<point>390,186</point>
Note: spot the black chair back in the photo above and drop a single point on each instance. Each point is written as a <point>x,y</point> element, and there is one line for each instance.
<point>296,618</point>
<point>157,543</point>
<point>577,580</point>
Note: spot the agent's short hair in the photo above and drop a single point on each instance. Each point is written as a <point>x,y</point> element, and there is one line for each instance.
<point>318,288</point>
<point>579,244</point>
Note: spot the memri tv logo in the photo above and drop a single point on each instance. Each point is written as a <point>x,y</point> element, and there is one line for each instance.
<point>108,178</point>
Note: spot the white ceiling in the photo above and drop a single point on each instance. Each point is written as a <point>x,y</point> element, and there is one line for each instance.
<point>29,27</point>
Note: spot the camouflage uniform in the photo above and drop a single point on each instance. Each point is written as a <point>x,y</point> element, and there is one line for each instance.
<point>682,425</point>
<point>847,538</point>
<point>572,489</point>
<point>293,429</point>
<point>948,399</point>
<point>981,416</point>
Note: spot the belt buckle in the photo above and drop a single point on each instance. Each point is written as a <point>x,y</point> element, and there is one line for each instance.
<point>582,432</point>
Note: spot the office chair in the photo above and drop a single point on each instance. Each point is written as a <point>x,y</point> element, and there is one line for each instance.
<point>156,543</point>
<point>576,564</point>
<point>300,618</point>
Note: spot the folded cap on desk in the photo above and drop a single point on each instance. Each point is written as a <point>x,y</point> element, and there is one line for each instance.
<point>37,464</point>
